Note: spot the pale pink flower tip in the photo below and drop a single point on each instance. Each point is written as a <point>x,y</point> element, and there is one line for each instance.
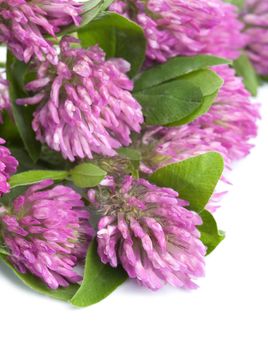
<point>47,232</point>
<point>148,230</point>
<point>24,24</point>
<point>84,103</point>
<point>8,166</point>
<point>182,27</point>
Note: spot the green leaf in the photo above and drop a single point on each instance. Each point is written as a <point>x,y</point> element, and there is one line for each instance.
<point>3,248</point>
<point>130,153</point>
<point>194,179</point>
<point>90,10</point>
<point>87,175</point>
<point>117,36</point>
<point>204,108</point>
<point>54,160</point>
<point>209,83</point>
<point>8,129</point>
<point>25,161</point>
<point>175,68</point>
<point>210,235</point>
<point>34,176</point>
<point>16,71</point>
<point>238,3</point>
<point>99,280</point>
<point>175,102</point>
<point>245,69</point>
<point>3,251</point>
<point>36,284</point>
<point>169,102</point>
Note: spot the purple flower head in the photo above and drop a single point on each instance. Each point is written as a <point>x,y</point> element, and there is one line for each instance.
<point>233,117</point>
<point>182,27</point>
<point>4,97</point>
<point>23,25</point>
<point>8,166</point>
<point>226,128</point>
<point>148,230</point>
<point>84,103</point>
<point>47,232</point>
<point>255,17</point>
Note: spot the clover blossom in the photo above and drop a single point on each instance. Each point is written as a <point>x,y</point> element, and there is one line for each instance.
<point>84,103</point>
<point>46,232</point>
<point>180,27</point>
<point>24,24</point>
<point>148,230</point>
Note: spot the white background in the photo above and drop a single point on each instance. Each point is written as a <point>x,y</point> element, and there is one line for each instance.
<point>229,310</point>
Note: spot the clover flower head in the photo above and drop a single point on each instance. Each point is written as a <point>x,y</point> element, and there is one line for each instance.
<point>24,24</point>
<point>150,232</point>
<point>181,27</point>
<point>46,232</point>
<point>84,103</point>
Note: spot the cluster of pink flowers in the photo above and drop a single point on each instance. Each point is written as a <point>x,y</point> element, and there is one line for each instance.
<point>24,24</point>
<point>47,232</point>
<point>85,109</point>
<point>85,104</point>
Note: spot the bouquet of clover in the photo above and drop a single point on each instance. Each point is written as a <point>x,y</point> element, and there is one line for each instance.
<point>116,123</point>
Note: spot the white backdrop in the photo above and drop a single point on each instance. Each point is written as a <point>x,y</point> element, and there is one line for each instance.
<point>228,311</point>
